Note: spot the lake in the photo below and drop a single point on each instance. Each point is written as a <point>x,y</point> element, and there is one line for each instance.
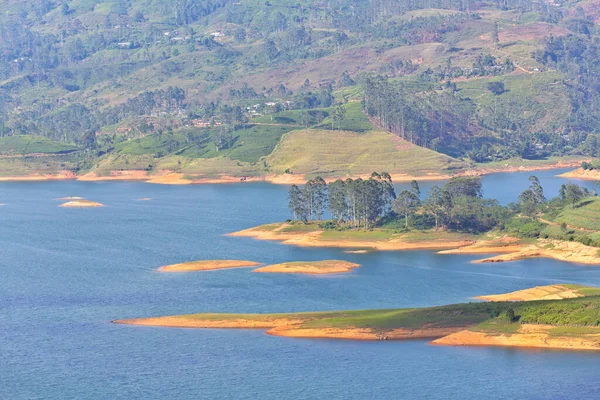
<point>66,273</point>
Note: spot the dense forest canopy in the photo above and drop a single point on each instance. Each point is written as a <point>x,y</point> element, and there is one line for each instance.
<point>484,81</point>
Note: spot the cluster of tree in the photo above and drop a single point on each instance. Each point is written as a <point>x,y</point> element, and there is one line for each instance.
<point>440,121</point>
<point>458,205</point>
<point>577,57</point>
<point>355,202</point>
<point>364,203</point>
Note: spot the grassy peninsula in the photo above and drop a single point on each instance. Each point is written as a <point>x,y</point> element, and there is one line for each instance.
<point>367,214</point>
<point>572,323</point>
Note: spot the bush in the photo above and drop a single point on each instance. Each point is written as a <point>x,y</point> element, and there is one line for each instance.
<point>328,225</point>
<point>524,227</point>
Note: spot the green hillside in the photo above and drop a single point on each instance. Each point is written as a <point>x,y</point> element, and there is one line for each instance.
<point>202,79</point>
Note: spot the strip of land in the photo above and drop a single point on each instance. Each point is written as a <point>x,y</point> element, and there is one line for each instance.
<point>207,265</point>
<point>563,323</point>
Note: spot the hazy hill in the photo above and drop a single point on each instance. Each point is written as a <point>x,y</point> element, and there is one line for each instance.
<point>193,80</point>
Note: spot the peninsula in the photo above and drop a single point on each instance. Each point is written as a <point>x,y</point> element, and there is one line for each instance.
<point>569,323</point>
<point>452,219</point>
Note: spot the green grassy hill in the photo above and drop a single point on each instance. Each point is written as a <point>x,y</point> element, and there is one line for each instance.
<point>339,153</point>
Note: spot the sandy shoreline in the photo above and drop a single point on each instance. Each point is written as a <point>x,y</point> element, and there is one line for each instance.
<point>289,327</point>
<point>549,292</point>
<point>312,239</point>
<point>528,336</point>
<point>580,173</point>
<point>167,177</point>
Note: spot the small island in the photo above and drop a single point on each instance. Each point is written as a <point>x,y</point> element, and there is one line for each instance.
<point>81,203</point>
<point>207,265</point>
<point>569,323</point>
<point>310,267</point>
<point>452,219</point>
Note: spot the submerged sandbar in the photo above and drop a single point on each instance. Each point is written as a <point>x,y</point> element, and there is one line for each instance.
<point>207,265</point>
<point>81,203</point>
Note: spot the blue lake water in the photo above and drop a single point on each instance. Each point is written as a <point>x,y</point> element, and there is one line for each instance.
<point>66,273</point>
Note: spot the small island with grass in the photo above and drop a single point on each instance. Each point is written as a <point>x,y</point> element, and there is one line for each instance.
<point>324,267</point>
<point>571,323</point>
<point>366,214</point>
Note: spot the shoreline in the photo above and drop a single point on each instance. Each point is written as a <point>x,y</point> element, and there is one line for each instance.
<point>167,177</point>
<point>528,336</point>
<point>502,249</point>
<point>313,239</point>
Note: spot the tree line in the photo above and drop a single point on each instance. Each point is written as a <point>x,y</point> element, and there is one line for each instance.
<point>457,205</point>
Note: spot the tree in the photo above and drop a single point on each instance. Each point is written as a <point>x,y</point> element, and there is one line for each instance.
<point>530,199</point>
<point>338,113</point>
<point>572,193</point>
<point>537,189</point>
<point>434,204</point>
<point>320,196</point>
<point>464,186</point>
<point>239,35</point>
<point>414,187</point>
<point>296,204</point>
<point>270,50</point>
<point>528,204</point>
<point>406,204</point>
<point>337,200</point>
<point>496,87</point>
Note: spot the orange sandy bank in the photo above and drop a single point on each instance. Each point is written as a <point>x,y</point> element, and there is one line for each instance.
<point>81,204</point>
<point>207,265</point>
<point>130,175</point>
<point>290,327</point>
<point>310,267</point>
<point>559,250</point>
<point>176,178</point>
<point>360,333</point>
<point>501,245</point>
<point>314,238</point>
<point>551,292</point>
<point>483,170</point>
<point>536,336</point>
<point>580,173</point>
<point>64,175</point>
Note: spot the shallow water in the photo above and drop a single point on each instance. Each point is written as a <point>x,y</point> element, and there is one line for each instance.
<point>66,273</point>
